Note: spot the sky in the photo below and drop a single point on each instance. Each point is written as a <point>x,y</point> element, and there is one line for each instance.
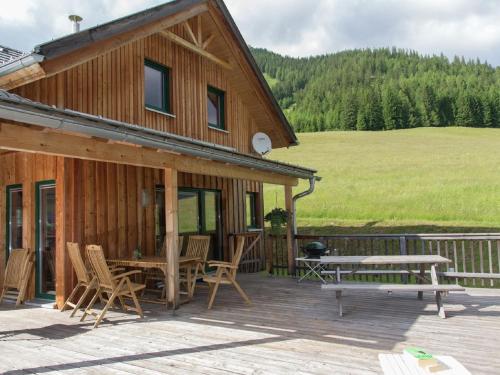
<point>469,28</point>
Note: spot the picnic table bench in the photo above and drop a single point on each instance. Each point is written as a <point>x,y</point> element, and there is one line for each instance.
<point>424,284</point>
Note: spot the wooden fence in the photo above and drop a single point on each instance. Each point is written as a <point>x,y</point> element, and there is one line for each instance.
<point>475,257</point>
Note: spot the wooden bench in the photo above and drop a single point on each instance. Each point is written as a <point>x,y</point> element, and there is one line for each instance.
<point>438,289</point>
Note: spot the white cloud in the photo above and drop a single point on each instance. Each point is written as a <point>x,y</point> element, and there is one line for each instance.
<point>295,27</point>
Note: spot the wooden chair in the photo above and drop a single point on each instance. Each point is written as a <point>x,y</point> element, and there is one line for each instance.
<point>197,247</point>
<point>17,275</point>
<point>226,274</point>
<point>116,286</point>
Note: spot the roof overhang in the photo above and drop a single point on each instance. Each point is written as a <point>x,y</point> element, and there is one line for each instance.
<point>18,109</point>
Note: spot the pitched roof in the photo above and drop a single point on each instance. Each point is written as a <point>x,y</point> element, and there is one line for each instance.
<point>74,42</point>
<point>8,55</point>
<point>17,108</point>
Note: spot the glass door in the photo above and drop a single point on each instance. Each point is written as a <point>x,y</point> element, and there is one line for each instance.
<point>14,218</point>
<point>200,213</point>
<point>46,239</point>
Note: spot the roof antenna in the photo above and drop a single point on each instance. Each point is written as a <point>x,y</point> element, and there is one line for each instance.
<point>76,22</point>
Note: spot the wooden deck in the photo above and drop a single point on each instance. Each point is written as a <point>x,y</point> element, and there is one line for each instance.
<point>291,328</point>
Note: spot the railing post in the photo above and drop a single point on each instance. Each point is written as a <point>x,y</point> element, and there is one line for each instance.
<point>403,251</point>
<point>289,231</point>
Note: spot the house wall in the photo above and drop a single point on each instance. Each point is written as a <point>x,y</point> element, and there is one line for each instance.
<point>99,203</point>
<point>112,86</point>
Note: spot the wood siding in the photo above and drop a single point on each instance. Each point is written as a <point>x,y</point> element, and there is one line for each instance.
<point>112,86</point>
<point>99,203</point>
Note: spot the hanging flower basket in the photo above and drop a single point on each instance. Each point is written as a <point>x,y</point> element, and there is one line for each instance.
<point>278,218</point>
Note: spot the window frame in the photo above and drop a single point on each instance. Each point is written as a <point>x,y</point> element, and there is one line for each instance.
<point>221,108</point>
<point>166,78</point>
<point>253,210</point>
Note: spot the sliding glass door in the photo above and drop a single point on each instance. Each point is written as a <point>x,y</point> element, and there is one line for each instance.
<point>199,213</point>
<point>14,230</point>
<point>45,239</point>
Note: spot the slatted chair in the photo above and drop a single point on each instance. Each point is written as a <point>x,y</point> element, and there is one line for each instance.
<point>17,275</point>
<point>226,274</point>
<point>115,286</point>
<point>197,247</point>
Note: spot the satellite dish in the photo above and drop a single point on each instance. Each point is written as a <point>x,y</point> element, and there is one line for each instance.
<point>262,143</point>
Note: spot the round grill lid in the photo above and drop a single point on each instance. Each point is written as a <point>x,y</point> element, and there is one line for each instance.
<point>315,246</point>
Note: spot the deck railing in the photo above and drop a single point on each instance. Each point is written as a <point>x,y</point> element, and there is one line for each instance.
<point>475,257</point>
<point>253,258</point>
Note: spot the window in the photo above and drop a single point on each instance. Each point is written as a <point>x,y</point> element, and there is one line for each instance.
<point>160,229</point>
<point>215,99</point>
<point>14,217</point>
<point>156,86</point>
<point>251,210</point>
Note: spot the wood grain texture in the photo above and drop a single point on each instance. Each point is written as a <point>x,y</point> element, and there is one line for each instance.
<point>280,333</point>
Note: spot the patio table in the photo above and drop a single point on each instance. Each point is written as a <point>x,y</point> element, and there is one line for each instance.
<point>190,264</point>
<point>386,260</point>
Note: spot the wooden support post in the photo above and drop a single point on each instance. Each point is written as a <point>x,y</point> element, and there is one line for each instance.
<point>172,233</point>
<point>289,231</point>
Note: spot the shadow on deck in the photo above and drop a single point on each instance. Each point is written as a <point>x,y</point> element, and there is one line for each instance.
<point>289,328</point>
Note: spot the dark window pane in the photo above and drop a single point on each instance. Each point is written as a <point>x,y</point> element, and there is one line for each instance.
<point>213,108</point>
<point>160,229</point>
<point>153,86</point>
<point>251,210</point>
<point>15,219</point>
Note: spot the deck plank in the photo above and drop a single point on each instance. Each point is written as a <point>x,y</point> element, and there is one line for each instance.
<point>290,328</point>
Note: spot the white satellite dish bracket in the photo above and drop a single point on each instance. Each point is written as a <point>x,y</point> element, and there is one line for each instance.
<point>262,143</point>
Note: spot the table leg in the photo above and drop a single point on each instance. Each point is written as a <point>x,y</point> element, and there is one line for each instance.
<point>439,302</point>
<point>421,280</point>
<point>338,295</point>
<point>311,270</point>
<point>338,274</point>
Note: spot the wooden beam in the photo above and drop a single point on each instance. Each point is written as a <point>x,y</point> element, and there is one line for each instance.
<point>22,138</point>
<point>190,46</point>
<point>198,29</point>
<point>191,33</point>
<point>172,234</point>
<point>207,42</point>
<point>289,231</point>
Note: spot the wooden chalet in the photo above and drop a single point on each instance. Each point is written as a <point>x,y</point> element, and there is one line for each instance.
<point>125,133</point>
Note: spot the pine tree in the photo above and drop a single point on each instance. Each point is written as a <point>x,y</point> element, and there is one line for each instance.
<point>348,117</point>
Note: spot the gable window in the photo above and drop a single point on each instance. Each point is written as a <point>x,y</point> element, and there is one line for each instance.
<point>156,86</point>
<point>251,210</point>
<point>215,99</point>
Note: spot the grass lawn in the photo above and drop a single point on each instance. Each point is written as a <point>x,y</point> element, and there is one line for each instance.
<point>418,180</point>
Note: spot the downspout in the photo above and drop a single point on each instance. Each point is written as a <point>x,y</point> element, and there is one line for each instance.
<point>312,185</point>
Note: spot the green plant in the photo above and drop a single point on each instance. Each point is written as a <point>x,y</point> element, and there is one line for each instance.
<point>137,253</point>
<point>278,217</point>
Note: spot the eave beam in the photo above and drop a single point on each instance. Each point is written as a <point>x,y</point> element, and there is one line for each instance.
<point>26,139</point>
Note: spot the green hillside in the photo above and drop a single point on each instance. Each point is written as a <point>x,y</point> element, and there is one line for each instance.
<point>416,180</point>
<point>382,89</point>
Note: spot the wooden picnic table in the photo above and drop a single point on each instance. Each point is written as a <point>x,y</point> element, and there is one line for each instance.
<point>387,260</point>
<point>190,264</point>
